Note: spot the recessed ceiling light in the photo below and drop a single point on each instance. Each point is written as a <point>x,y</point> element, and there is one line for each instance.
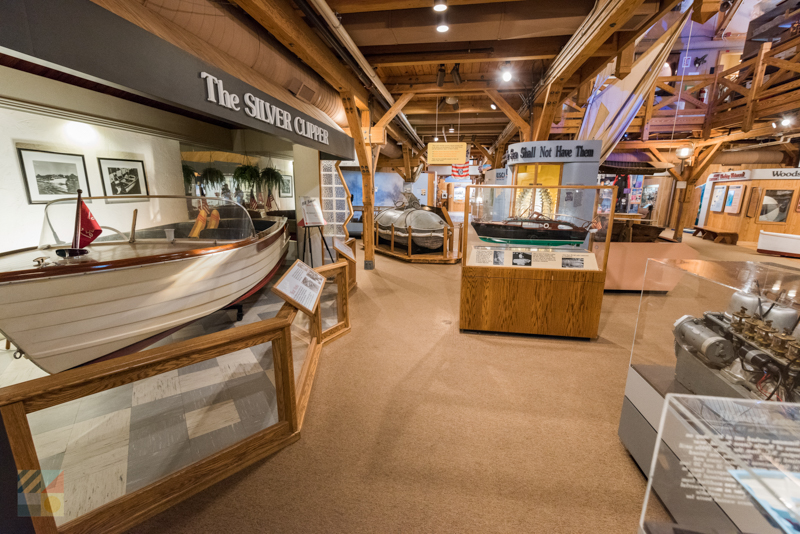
<point>786,121</point>
<point>443,27</point>
<point>493,106</point>
<point>439,5</point>
<point>435,139</point>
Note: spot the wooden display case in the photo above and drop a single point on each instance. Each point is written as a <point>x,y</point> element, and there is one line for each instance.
<point>539,287</point>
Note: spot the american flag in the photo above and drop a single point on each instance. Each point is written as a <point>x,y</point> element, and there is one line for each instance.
<point>204,202</point>
<point>260,198</point>
<point>460,171</point>
<point>270,200</point>
<point>253,204</point>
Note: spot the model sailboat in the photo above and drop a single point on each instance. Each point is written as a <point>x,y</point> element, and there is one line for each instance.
<point>132,286</point>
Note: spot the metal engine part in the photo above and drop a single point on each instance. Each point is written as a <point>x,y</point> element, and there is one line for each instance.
<point>695,337</point>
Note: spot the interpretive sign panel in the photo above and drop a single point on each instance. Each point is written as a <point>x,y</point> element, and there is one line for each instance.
<point>533,258</point>
<point>344,250</point>
<point>312,212</point>
<point>447,153</point>
<point>301,286</point>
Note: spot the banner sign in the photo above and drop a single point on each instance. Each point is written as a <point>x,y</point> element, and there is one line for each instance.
<point>447,153</point>
<point>554,151</point>
<point>728,176</point>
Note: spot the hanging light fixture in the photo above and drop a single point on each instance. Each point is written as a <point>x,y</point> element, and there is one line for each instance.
<point>455,74</point>
<point>506,72</point>
<point>684,152</point>
<point>440,76</point>
<point>442,27</point>
<point>435,139</point>
<point>440,5</point>
<point>451,129</point>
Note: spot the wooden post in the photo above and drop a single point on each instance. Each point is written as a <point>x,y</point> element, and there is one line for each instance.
<point>409,241</point>
<point>758,79</point>
<point>445,242</point>
<point>367,178</point>
<point>648,114</point>
<point>392,237</point>
<point>712,98</point>
<point>284,378</point>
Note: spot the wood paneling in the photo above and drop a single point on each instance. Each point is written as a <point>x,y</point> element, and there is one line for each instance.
<point>306,379</point>
<point>749,228</point>
<point>531,301</point>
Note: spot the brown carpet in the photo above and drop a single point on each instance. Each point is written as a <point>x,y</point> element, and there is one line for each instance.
<point>414,427</point>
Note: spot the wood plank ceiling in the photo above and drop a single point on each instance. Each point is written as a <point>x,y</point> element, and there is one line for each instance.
<point>485,37</point>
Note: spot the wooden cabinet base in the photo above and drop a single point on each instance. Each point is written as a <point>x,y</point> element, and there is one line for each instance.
<point>531,301</point>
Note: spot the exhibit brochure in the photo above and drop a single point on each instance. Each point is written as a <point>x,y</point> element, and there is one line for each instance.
<point>301,286</point>
<point>342,248</point>
<point>312,211</point>
<point>536,258</point>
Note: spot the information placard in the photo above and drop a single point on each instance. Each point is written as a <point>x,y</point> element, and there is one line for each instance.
<point>547,258</point>
<point>342,248</point>
<point>301,287</point>
<point>447,153</point>
<point>312,211</point>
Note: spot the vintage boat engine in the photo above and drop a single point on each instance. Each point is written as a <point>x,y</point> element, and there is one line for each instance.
<point>751,350</point>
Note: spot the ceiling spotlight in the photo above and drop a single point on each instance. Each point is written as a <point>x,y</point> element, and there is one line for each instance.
<point>455,74</point>
<point>441,103</point>
<point>493,106</point>
<point>439,5</point>
<point>451,129</point>
<point>435,139</point>
<point>786,121</point>
<point>774,125</point>
<point>506,71</point>
<point>442,27</point>
<point>455,106</point>
<point>440,76</point>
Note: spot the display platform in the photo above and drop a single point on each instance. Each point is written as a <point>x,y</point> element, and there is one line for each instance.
<point>531,264</point>
<point>627,263</point>
<point>726,329</point>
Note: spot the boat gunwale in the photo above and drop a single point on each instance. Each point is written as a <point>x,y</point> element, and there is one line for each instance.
<point>262,241</point>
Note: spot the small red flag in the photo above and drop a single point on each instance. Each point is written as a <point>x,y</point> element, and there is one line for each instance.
<point>89,229</point>
<point>253,203</point>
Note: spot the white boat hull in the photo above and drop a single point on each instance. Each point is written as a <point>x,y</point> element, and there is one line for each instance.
<point>65,321</point>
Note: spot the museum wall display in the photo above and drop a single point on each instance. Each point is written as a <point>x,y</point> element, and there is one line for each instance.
<point>46,158</point>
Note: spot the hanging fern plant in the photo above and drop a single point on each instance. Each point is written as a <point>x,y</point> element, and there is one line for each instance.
<point>212,177</point>
<point>247,177</point>
<point>188,174</point>
<point>271,178</point>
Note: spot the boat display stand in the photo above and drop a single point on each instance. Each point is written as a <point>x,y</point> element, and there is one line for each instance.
<point>237,354</point>
<point>449,254</point>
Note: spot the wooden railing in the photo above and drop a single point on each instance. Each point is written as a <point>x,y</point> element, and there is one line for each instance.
<point>734,98</point>
<point>17,401</point>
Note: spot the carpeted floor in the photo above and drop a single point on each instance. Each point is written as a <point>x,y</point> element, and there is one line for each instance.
<point>414,427</point>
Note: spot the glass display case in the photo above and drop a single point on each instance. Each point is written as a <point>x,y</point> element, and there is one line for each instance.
<point>534,259</point>
<point>724,465</point>
<point>710,328</point>
<point>538,227</point>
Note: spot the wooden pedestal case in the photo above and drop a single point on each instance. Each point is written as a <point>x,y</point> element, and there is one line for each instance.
<point>532,301</point>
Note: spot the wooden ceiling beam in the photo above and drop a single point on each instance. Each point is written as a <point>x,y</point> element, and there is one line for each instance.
<point>280,19</point>
<point>507,109</point>
<point>365,6</point>
<point>463,89</point>
<point>396,108</point>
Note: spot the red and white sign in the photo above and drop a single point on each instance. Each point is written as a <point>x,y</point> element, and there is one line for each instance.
<point>729,176</point>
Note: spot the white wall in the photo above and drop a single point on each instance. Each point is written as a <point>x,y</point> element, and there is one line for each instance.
<point>22,222</point>
<point>306,184</point>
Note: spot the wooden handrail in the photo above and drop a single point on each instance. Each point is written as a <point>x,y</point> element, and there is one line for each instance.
<point>83,381</point>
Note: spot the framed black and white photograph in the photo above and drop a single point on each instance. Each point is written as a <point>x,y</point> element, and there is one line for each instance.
<point>775,205</point>
<point>286,189</point>
<point>122,177</point>
<point>52,175</point>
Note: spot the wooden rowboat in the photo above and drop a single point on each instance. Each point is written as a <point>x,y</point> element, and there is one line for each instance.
<point>63,312</point>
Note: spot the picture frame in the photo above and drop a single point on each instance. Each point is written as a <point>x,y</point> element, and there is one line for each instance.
<point>752,205</point>
<point>718,196</point>
<point>50,176</point>
<point>286,189</point>
<point>123,177</point>
<point>733,200</point>
<point>775,206</point>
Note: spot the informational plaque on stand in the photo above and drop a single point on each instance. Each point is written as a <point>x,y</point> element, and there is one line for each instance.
<point>301,287</point>
<point>344,250</point>
<point>312,211</point>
